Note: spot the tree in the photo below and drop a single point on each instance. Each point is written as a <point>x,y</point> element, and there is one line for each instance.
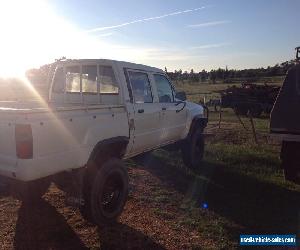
<point>213,76</point>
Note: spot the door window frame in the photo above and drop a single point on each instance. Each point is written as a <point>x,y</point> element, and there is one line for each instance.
<point>130,88</point>
<point>170,83</point>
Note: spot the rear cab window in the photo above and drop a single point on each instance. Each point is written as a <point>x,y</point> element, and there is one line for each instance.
<point>89,80</point>
<point>108,82</point>
<point>90,83</point>
<point>73,79</point>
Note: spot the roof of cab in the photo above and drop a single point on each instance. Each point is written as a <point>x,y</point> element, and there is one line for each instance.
<point>120,64</point>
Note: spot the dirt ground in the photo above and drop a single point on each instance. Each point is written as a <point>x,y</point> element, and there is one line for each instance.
<point>148,222</point>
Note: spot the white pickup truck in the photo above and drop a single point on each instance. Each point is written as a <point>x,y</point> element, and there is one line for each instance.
<point>97,113</point>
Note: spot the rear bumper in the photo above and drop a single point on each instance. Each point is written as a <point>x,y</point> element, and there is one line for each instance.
<point>37,168</point>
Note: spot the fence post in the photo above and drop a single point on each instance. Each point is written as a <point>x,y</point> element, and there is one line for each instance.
<point>241,121</point>
<point>220,117</point>
<point>253,128</point>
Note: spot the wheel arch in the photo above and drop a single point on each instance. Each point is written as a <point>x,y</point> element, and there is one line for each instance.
<point>197,122</point>
<point>112,147</point>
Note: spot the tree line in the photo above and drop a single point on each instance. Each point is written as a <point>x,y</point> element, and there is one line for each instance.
<point>229,75</point>
<point>41,75</point>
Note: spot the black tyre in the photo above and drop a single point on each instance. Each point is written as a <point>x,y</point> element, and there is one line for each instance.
<point>105,198</point>
<point>30,192</point>
<point>290,161</point>
<point>193,149</point>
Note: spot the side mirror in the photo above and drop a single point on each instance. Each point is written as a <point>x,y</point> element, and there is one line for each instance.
<point>181,96</point>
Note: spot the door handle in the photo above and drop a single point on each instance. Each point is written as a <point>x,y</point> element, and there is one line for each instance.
<point>140,111</point>
<point>163,108</point>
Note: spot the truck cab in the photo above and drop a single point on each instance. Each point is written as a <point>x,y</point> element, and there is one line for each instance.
<point>156,115</point>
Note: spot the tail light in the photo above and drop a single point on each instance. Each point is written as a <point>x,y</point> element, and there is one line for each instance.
<point>24,143</point>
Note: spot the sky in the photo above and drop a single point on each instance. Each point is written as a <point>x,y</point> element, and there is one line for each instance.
<point>185,35</point>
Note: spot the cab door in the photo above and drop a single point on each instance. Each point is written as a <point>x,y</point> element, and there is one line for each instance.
<point>173,115</point>
<point>147,127</point>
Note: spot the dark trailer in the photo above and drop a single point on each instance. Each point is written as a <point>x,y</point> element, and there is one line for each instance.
<point>285,121</point>
<point>250,99</point>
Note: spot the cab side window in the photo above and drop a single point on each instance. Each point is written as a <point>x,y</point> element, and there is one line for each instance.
<point>164,89</point>
<point>141,88</point>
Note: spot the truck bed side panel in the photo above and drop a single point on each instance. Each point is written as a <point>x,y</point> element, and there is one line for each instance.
<point>62,140</point>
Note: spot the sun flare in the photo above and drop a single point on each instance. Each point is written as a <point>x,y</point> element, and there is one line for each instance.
<point>31,34</point>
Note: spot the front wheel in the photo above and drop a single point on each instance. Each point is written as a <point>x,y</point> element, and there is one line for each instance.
<point>193,149</point>
<point>108,193</point>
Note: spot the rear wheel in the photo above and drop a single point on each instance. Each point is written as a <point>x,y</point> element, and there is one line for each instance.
<point>193,149</point>
<point>106,197</point>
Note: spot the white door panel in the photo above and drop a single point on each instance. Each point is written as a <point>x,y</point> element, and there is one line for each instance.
<point>173,122</point>
<point>147,127</point>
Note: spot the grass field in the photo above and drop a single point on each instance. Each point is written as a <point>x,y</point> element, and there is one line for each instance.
<point>239,189</point>
<point>198,91</point>
<point>241,182</point>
